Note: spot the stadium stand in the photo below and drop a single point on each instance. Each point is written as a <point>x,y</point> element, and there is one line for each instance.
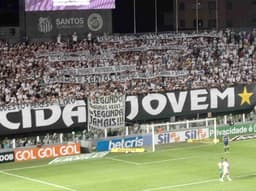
<point>27,71</point>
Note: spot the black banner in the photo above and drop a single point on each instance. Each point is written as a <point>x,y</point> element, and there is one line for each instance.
<point>7,157</point>
<point>47,25</point>
<point>70,114</point>
<point>42,117</point>
<point>155,106</point>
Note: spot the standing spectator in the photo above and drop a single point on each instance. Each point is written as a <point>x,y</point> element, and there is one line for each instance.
<point>89,38</point>
<point>74,37</point>
<point>59,38</point>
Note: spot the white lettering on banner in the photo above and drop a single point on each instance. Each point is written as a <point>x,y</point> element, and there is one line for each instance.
<point>27,119</point>
<point>57,112</point>
<point>47,152</point>
<point>161,103</point>
<point>133,100</point>
<point>177,106</point>
<point>228,93</point>
<point>68,150</point>
<point>5,122</point>
<point>70,22</point>
<point>24,155</point>
<point>137,142</point>
<point>68,113</point>
<point>106,111</point>
<point>110,73</point>
<point>41,54</point>
<point>197,98</point>
<point>6,157</point>
<point>96,70</point>
<point>165,36</point>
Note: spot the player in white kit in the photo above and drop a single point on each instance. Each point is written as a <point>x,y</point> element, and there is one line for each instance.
<point>226,170</point>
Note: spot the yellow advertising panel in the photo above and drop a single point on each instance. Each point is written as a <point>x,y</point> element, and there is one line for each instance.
<point>127,150</point>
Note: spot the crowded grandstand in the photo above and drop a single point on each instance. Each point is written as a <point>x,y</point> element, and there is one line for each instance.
<point>41,72</point>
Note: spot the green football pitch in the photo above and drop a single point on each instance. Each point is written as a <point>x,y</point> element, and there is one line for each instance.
<point>174,167</point>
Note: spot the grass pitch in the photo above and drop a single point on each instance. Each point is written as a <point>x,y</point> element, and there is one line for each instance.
<point>174,167</point>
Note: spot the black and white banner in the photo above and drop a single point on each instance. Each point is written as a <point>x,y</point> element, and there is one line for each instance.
<point>75,76</point>
<point>106,112</point>
<point>7,157</point>
<point>157,106</point>
<point>45,54</point>
<point>79,57</point>
<point>56,56</point>
<point>96,70</point>
<point>41,117</point>
<point>116,110</point>
<point>152,36</point>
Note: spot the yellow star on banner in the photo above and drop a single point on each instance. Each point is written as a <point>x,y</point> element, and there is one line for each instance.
<point>245,95</point>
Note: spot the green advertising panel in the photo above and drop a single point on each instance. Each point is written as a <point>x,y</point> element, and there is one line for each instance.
<point>233,130</point>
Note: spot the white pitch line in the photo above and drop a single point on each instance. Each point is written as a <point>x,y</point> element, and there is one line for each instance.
<point>38,181</point>
<point>24,168</point>
<point>166,160</point>
<point>180,185</point>
<point>123,161</point>
<point>190,184</point>
<point>156,161</point>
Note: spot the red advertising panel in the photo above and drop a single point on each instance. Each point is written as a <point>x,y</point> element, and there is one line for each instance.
<point>46,152</point>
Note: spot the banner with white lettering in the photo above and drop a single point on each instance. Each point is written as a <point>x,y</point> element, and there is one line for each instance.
<point>116,110</point>
<point>113,73</point>
<point>42,117</point>
<point>157,106</point>
<point>153,36</point>
<point>106,111</point>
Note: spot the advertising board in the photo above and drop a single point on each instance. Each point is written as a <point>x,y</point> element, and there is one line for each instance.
<point>124,142</point>
<point>7,157</point>
<point>233,130</point>
<point>181,136</point>
<point>46,152</point>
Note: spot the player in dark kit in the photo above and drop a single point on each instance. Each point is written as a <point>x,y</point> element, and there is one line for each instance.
<point>226,143</point>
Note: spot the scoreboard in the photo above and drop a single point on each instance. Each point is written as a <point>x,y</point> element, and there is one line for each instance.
<point>59,5</point>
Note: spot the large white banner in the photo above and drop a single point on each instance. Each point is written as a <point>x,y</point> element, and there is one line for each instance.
<point>112,73</point>
<point>106,112</point>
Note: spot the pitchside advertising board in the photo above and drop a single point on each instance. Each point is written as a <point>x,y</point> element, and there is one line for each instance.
<point>124,142</point>
<point>181,136</point>
<point>45,25</point>
<point>7,157</point>
<point>46,152</point>
<point>233,130</point>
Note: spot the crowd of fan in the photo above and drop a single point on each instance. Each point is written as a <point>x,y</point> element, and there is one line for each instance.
<point>209,59</point>
<point>214,59</point>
